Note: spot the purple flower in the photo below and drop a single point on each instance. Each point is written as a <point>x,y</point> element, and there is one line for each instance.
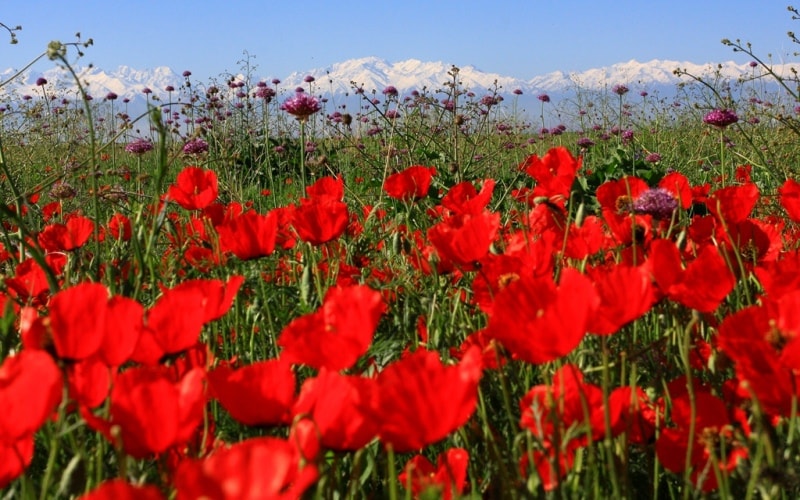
<point>309,79</point>
<point>301,106</point>
<point>517,92</point>
<point>721,118</point>
<point>265,93</point>
<point>620,89</point>
<point>139,147</point>
<point>111,96</point>
<point>543,97</point>
<point>169,88</point>
<point>40,82</point>
<point>275,81</point>
<point>187,74</point>
<point>195,147</point>
<point>585,142</point>
<point>643,93</point>
<point>146,91</point>
<point>753,64</point>
<point>652,158</point>
<point>657,202</point>
<point>390,91</point>
<point>489,100</point>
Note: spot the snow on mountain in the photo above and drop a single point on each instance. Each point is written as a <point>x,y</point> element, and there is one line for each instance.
<point>373,74</point>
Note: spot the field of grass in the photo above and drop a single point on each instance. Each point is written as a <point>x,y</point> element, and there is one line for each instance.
<point>250,293</point>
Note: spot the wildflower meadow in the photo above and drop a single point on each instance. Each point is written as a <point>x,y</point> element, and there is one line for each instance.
<point>252,292</point>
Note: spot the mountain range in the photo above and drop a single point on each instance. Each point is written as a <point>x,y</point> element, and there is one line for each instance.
<point>374,74</point>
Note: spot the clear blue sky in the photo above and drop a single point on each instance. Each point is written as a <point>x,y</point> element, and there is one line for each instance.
<point>521,38</point>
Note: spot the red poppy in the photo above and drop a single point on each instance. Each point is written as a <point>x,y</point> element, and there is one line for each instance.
<point>465,239</point>
<point>195,188</point>
<point>320,221</point>
<point>678,185</point>
<point>625,292</point>
<point>419,401</point>
<point>89,381</point>
<point>733,204</point>
<point>562,416</point>
<point>151,411</point>
<point>256,468</point>
<point>68,236</point>
<point>173,323</point>
<point>331,188</point>
<point>250,235</point>
<point>124,324</point>
<point>78,320</point>
<point>539,321</point>
<point>119,489</point>
<point>15,457</point>
<point>790,198</point>
<point>30,390</point>
<point>554,174</point>
<point>339,407</point>
<point>261,393</point>
<point>763,344</point>
<point>702,285</point>
<point>337,334</point>
<point>412,183</point>
<point>119,226</point>
<point>464,199</point>
<point>446,479</point>
<point>698,424</point>
<point>29,283</point>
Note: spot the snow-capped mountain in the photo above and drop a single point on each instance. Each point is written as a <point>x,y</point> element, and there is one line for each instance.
<point>373,74</point>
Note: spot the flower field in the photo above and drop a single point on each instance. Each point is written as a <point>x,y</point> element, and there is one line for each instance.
<point>250,292</point>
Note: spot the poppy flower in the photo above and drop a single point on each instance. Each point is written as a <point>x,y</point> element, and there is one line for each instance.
<point>419,401</point>
<point>15,457</point>
<point>119,226</point>
<point>31,385</point>
<point>625,293</point>
<point>119,489</point>
<point>763,344</point>
<point>339,407</point>
<point>320,221</point>
<point>195,188</point>
<point>263,467</point>
<point>563,415</point>
<point>554,174</point>
<point>410,184</point>
<point>78,320</point>
<point>261,393</point>
<point>249,236</point>
<point>174,322</point>
<point>790,198</point>
<point>539,321</point>
<point>733,204</point>
<point>465,239</point>
<point>152,411</point>
<point>464,199</point>
<point>68,236</point>
<point>447,478</point>
<point>701,426</point>
<point>702,285</point>
<point>330,188</point>
<point>89,381</point>
<point>337,334</point>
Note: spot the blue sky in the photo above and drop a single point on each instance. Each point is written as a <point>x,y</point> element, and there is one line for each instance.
<point>521,38</point>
